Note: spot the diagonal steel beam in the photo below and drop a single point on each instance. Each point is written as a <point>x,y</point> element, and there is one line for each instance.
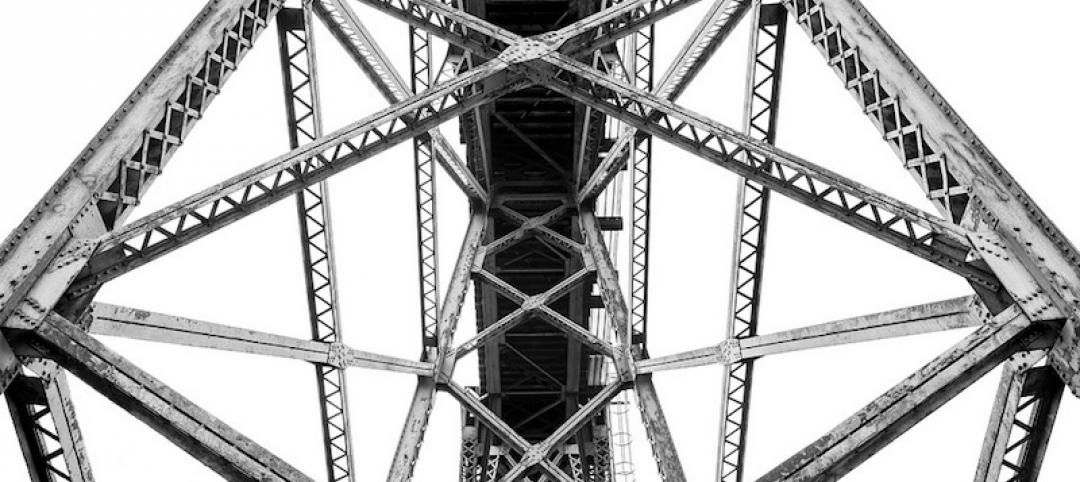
<point>1021,420</point>
<point>222,204</point>
<point>874,213</point>
<point>538,454</point>
<point>535,455</point>
<point>99,189</point>
<point>913,399</point>
<point>136,324</point>
<point>487,40</point>
<point>964,312</point>
<point>709,34</point>
<point>954,167</point>
<point>607,26</point>
<point>345,26</point>
<point>652,414</point>
<point>9,364</point>
<point>412,434</point>
<point>191,428</point>
<point>45,423</point>
<point>764,72</point>
<point>300,80</point>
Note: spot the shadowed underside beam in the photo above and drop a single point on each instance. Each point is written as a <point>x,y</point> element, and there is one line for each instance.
<point>949,314</point>
<point>9,364</point>
<point>1021,421</point>
<point>44,418</point>
<point>886,418</point>
<point>191,428</point>
<point>124,322</point>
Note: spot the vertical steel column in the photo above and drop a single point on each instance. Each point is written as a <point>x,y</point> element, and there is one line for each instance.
<point>44,419</point>
<point>764,70</point>
<point>470,447</point>
<point>1021,421</point>
<point>424,169</point>
<point>300,80</point>
<point>640,175</point>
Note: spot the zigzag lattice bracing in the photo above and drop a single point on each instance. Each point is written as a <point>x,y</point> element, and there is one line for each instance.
<point>554,99</point>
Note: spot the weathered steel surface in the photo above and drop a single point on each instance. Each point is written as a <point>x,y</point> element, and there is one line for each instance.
<point>9,364</point>
<point>44,418</point>
<point>1021,420</point>
<point>191,428</point>
<point>761,108</point>
<point>536,82</point>
<point>890,415</point>
<point>959,173</point>
<point>96,192</point>
<point>950,314</point>
<point>303,115</point>
<point>136,324</point>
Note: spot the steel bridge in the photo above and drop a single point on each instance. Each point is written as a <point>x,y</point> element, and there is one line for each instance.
<point>559,108</point>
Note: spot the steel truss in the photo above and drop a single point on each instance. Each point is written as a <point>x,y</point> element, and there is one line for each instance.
<point>302,107</point>
<point>1024,272</point>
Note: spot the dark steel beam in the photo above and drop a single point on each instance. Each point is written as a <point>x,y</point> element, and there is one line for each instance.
<point>427,232</point>
<point>9,364</point>
<point>1021,420</point>
<point>44,417</point>
<point>300,79</point>
<point>761,106</point>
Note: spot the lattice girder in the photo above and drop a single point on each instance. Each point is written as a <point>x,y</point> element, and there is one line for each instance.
<point>992,234</point>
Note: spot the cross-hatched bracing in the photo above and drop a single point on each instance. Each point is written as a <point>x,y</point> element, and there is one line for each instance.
<point>555,99</point>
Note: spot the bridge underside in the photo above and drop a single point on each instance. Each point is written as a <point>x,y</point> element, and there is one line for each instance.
<point>527,145</point>
<point>535,84</point>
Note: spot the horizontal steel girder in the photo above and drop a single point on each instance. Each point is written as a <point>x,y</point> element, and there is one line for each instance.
<point>136,324</point>
<point>191,428</point>
<point>950,314</point>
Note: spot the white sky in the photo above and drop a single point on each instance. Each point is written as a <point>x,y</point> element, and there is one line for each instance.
<point>1008,70</point>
